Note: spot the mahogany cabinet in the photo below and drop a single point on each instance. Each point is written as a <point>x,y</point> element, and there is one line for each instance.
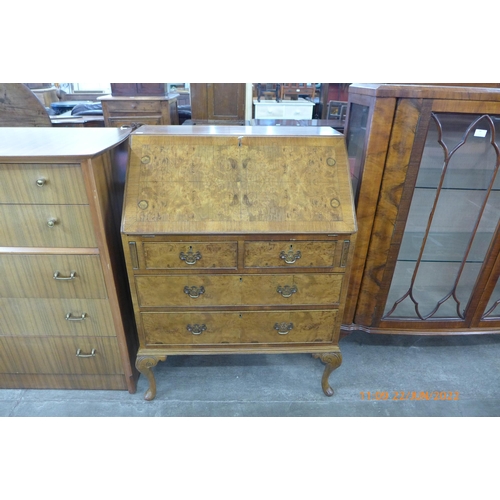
<point>139,110</point>
<point>66,319</point>
<point>218,101</point>
<point>238,240</point>
<point>424,162</point>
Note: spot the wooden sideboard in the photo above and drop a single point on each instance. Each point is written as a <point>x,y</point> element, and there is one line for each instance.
<point>238,240</point>
<point>66,318</point>
<point>138,110</point>
<point>424,161</point>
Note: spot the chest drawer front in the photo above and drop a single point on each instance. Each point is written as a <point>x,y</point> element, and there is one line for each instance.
<point>42,184</point>
<point>209,328</point>
<point>53,355</point>
<point>120,121</point>
<point>192,255</point>
<point>228,290</point>
<point>32,276</point>
<point>135,105</point>
<point>284,254</point>
<point>47,226</point>
<point>56,317</point>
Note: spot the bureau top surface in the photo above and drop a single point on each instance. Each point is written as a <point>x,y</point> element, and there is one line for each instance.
<point>24,143</point>
<point>237,180</point>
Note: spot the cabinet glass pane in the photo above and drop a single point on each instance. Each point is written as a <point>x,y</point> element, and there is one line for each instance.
<point>453,216</point>
<point>355,142</point>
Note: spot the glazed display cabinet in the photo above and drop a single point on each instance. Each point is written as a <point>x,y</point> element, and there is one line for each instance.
<point>424,161</point>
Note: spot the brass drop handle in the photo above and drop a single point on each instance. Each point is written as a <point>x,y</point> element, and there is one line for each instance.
<point>283,328</point>
<point>40,182</point>
<point>196,329</point>
<point>70,317</point>
<point>190,257</point>
<point>51,222</point>
<point>286,291</point>
<point>64,278</point>
<point>80,355</point>
<point>290,257</point>
<point>194,292</point>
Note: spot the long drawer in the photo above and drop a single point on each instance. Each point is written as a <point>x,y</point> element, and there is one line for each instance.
<point>237,290</point>
<point>46,355</point>
<point>51,276</point>
<point>56,317</point>
<point>47,226</point>
<point>41,183</point>
<point>274,327</point>
<point>136,105</point>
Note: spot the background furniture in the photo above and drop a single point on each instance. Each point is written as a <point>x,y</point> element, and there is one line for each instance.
<point>139,110</point>
<point>299,109</point>
<point>66,320</point>
<point>294,90</point>
<point>19,107</point>
<point>135,89</point>
<point>237,240</point>
<point>218,101</point>
<point>424,161</point>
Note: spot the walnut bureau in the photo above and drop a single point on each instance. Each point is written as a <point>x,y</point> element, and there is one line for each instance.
<point>237,239</point>
<point>66,318</point>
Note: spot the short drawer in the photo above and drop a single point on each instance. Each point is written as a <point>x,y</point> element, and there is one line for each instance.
<point>53,355</point>
<point>299,113</point>
<point>51,276</point>
<point>42,184</point>
<point>56,317</point>
<point>135,105</point>
<point>269,111</point>
<point>238,290</point>
<point>274,327</point>
<point>47,226</point>
<point>192,255</point>
<point>263,254</point>
<point>120,121</point>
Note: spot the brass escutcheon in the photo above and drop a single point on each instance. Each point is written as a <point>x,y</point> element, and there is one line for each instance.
<point>145,160</point>
<point>330,162</point>
<point>143,204</point>
<point>334,203</point>
<point>193,291</point>
<point>190,257</point>
<point>196,329</point>
<point>283,328</point>
<point>286,291</point>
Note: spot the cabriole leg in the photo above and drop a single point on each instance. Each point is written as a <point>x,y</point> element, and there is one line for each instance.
<point>145,364</point>
<point>332,361</point>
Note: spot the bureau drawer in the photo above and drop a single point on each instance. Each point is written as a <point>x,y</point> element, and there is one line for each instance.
<point>32,276</point>
<point>120,121</point>
<point>274,327</point>
<point>56,317</point>
<point>42,184</point>
<point>190,255</point>
<point>285,254</point>
<point>54,355</point>
<point>238,290</point>
<point>47,226</point>
<point>135,105</point>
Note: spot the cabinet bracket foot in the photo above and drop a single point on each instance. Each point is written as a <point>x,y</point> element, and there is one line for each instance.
<point>145,364</point>
<point>332,361</point>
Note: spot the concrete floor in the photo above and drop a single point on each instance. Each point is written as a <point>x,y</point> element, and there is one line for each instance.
<point>286,385</point>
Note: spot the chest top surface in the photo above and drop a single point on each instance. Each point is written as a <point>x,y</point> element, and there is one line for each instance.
<point>237,180</point>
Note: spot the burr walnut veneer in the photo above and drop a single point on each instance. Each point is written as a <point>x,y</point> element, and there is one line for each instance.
<point>237,240</point>
<point>65,312</point>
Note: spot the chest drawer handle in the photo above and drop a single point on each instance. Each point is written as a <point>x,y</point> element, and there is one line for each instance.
<point>70,317</point>
<point>283,328</point>
<point>194,292</point>
<point>51,222</point>
<point>196,329</point>
<point>286,291</point>
<point>80,355</point>
<point>290,257</point>
<point>65,278</point>
<point>190,257</point>
<point>40,182</point>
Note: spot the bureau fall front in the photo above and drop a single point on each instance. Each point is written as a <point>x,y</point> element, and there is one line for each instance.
<point>237,240</point>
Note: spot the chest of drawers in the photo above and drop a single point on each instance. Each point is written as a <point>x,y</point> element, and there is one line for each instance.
<point>237,240</point>
<point>65,312</point>
<point>140,110</point>
<point>298,109</point>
